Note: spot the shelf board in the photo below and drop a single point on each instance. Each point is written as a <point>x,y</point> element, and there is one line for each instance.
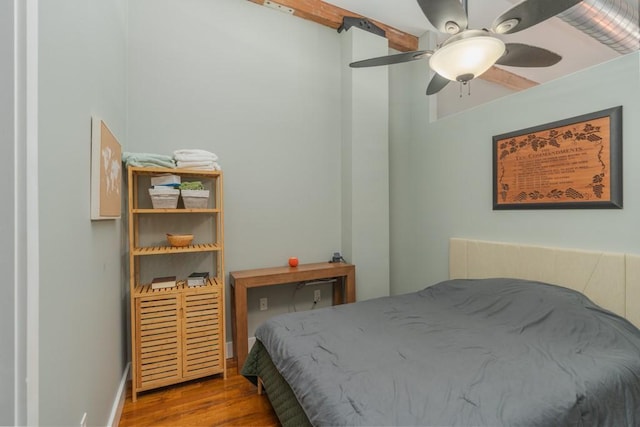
<point>184,172</point>
<point>174,211</point>
<point>160,250</point>
<point>145,290</point>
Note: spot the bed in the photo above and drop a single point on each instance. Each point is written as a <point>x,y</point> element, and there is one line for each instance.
<point>473,350</point>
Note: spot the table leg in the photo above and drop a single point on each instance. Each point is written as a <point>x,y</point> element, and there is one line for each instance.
<point>338,290</point>
<point>234,327</point>
<point>240,344</point>
<point>350,286</point>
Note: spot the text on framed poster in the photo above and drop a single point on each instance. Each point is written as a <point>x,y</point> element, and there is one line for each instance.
<point>572,163</point>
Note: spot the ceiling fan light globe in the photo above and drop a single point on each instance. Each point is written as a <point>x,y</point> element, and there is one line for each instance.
<point>467,56</point>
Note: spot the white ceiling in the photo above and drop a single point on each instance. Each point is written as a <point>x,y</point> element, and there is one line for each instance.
<point>577,49</point>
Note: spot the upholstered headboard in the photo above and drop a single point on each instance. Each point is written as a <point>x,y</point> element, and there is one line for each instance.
<point>611,280</point>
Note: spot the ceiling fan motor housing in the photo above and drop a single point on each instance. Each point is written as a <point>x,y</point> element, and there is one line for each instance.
<point>463,78</point>
<point>452,28</point>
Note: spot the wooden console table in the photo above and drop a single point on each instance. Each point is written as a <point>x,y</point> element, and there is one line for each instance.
<point>344,291</point>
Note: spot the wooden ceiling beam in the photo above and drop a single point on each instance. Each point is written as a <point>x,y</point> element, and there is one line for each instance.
<point>507,79</point>
<point>331,16</point>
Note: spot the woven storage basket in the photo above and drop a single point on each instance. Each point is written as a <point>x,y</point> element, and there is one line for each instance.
<point>195,199</point>
<point>164,198</point>
<point>179,239</point>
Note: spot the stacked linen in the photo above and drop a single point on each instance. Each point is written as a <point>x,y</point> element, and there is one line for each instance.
<point>148,160</point>
<point>196,159</point>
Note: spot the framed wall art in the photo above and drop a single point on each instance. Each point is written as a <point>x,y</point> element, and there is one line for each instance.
<point>106,172</point>
<point>569,164</point>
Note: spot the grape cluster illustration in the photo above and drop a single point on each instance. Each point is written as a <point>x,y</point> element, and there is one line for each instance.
<point>552,138</point>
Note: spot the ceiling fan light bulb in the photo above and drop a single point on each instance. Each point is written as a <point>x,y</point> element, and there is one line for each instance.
<point>473,55</point>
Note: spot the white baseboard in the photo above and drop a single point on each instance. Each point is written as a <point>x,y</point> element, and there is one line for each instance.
<point>118,403</point>
<point>229,346</point>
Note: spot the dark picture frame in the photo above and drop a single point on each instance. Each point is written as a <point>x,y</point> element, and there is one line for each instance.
<point>574,163</point>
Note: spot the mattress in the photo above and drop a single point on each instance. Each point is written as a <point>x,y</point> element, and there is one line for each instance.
<point>463,352</point>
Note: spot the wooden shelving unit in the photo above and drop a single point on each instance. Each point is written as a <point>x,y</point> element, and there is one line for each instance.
<point>178,333</point>
<point>159,250</point>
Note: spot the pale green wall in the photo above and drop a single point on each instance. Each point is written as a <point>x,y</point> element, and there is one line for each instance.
<point>261,89</point>
<point>365,163</point>
<point>409,112</point>
<point>448,176</point>
<point>82,323</point>
<point>7,230</point>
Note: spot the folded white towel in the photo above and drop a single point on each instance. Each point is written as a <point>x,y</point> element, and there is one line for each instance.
<point>193,164</point>
<point>207,165</point>
<point>194,155</point>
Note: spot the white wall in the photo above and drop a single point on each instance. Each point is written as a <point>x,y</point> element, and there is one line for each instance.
<point>452,192</point>
<point>82,323</point>
<point>261,89</point>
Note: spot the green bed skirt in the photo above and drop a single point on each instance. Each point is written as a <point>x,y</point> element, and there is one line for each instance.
<point>284,402</point>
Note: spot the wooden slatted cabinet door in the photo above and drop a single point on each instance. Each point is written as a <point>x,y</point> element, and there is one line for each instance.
<point>202,338</point>
<point>159,342</point>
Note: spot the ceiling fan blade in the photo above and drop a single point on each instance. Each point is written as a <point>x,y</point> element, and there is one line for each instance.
<point>448,16</point>
<point>436,84</point>
<point>523,55</point>
<point>529,13</point>
<point>392,59</point>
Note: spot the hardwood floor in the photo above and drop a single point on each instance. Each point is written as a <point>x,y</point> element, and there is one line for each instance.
<point>208,402</point>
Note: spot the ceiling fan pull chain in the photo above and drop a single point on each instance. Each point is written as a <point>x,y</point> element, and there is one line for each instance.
<point>468,84</point>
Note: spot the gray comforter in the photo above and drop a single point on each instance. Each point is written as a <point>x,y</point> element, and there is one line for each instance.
<point>495,352</point>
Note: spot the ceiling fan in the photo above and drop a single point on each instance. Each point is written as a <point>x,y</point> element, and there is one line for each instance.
<point>468,53</point>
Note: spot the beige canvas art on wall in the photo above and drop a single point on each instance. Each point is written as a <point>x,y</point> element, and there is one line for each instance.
<point>106,172</point>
